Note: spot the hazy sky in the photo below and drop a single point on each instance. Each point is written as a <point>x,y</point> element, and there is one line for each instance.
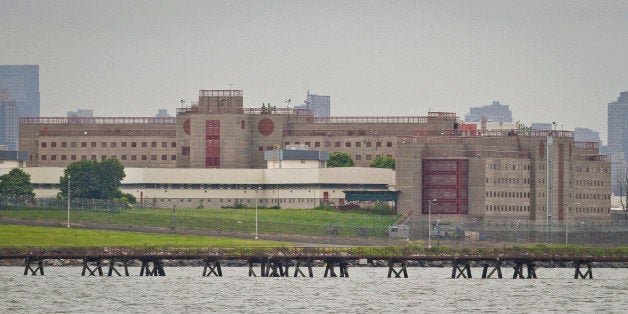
<point>548,60</point>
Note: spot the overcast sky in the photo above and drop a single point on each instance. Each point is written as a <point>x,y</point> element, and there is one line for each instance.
<point>560,61</point>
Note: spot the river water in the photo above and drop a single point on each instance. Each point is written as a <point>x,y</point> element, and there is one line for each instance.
<point>367,290</point>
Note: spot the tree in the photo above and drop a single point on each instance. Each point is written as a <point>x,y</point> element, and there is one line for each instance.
<point>340,160</point>
<point>92,179</point>
<point>16,185</point>
<point>383,162</point>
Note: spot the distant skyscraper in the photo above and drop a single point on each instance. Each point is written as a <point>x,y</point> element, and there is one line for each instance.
<point>84,113</point>
<point>618,124</point>
<point>9,124</point>
<point>495,112</point>
<point>318,104</point>
<point>162,113</point>
<point>586,135</point>
<point>22,83</point>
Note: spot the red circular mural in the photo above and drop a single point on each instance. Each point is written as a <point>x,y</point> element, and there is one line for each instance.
<point>266,126</point>
<point>186,126</point>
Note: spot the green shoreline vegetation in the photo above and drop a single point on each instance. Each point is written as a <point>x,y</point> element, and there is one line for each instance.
<point>14,235</point>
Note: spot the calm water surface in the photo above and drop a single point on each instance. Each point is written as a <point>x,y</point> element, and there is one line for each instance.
<point>367,290</point>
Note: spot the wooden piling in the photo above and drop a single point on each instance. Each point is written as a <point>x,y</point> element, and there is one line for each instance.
<point>587,273</point>
<point>27,266</point>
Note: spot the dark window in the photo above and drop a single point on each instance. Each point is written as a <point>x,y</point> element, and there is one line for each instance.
<point>358,144</point>
<point>261,148</point>
<point>123,144</point>
<point>64,144</point>
<point>72,157</point>
<point>153,157</point>
<point>53,144</point>
<point>185,150</point>
<point>348,144</point>
<point>83,144</point>
<point>133,157</point>
<point>113,144</point>
<point>133,144</point>
<point>173,157</point>
<point>144,144</point>
<point>64,157</point>
<point>368,144</point>
<point>388,144</point>
<point>173,144</point>
<point>73,144</point>
<point>378,144</point>
<point>103,144</point>
<point>317,144</point>
<point>164,144</point>
<point>164,157</point>
<point>43,144</point>
<point>144,157</point>
<point>153,144</point>
<point>337,144</point>
<point>43,157</point>
<point>123,157</point>
<point>93,144</point>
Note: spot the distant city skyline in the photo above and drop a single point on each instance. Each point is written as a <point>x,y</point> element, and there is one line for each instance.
<point>560,61</point>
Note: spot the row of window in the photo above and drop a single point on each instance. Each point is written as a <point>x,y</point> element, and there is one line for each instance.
<point>593,183</point>
<point>346,144</point>
<point>500,166</point>
<point>507,208</point>
<point>109,144</point>
<point>95,157</point>
<point>498,180</point>
<point>508,194</point>
<point>592,196</point>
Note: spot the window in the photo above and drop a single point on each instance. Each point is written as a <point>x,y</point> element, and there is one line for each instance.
<point>327,144</point>
<point>347,144</point>
<point>83,144</point>
<point>358,144</point>
<point>103,144</point>
<point>93,144</point>
<point>83,157</point>
<point>388,144</point>
<point>358,157</point>
<point>43,157</point>
<point>64,144</point>
<point>164,157</point>
<point>123,144</point>
<point>164,144</point>
<point>261,148</point>
<point>317,144</point>
<point>368,157</point>
<point>185,150</point>
<point>173,157</point>
<point>378,144</point>
<point>133,144</point>
<point>73,144</point>
<point>113,144</point>
<point>64,157</point>
<point>72,157</point>
<point>144,144</point>
<point>153,157</point>
<point>44,144</point>
<point>123,157</point>
<point>368,144</point>
<point>93,157</point>
<point>242,124</point>
<point>103,157</point>
<point>173,144</point>
<point>153,144</point>
<point>133,157</point>
<point>337,144</point>
<point>53,144</point>
<point>144,157</point>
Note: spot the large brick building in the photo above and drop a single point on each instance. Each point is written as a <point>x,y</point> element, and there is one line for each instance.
<point>482,173</point>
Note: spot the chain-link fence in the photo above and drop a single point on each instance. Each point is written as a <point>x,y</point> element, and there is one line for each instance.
<point>558,232</point>
<point>242,223</point>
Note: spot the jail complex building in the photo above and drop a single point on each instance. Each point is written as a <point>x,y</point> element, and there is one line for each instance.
<point>461,169</point>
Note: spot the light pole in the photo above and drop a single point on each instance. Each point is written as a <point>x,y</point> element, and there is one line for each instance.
<point>256,213</point>
<point>429,223</point>
<point>68,201</point>
<point>567,223</point>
